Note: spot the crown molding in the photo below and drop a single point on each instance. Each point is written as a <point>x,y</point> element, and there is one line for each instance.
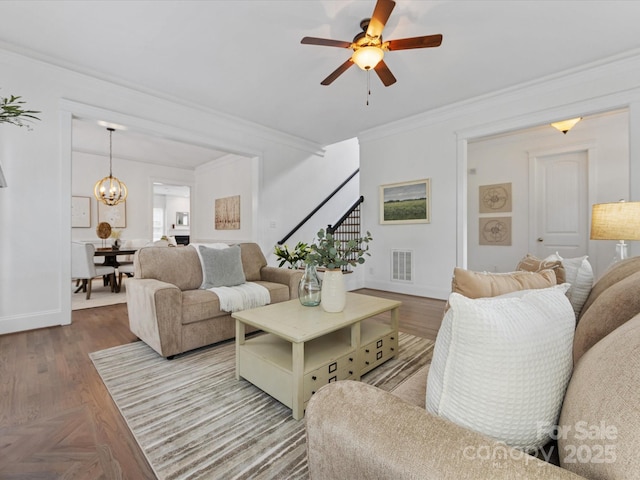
<point>610,67</point>
<point>246,127</point>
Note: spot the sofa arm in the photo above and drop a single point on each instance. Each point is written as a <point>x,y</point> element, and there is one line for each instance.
<point>357,431</point>
<point>155,314</point>
<point>286,276</point>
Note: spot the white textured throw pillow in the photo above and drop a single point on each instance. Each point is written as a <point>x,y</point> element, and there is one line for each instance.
<point>501,365</point>
<point>580,275</point>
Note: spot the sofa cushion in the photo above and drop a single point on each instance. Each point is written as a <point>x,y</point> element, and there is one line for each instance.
<point>222,266</point>
<point>501,365</point>
<point>179,266</point>
<point>579,275</point>
<point>198,305</point>
<point>600,421</point>
<point>278,291</point>
<point>531,263</point>
<point>252,261</point>
<point>612,308</point>
<point>614,274</point>
<point>484,284</point>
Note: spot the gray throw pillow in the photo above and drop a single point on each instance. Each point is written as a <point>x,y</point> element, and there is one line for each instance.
<point>222,267</point>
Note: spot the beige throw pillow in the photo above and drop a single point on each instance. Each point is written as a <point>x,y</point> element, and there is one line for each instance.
<point>531,263</point>
<point>484,284</point>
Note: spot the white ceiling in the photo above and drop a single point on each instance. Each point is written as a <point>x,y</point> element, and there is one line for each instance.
<point>244,57</point>
<point>93,138</point>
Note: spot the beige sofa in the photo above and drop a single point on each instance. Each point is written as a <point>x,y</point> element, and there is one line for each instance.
<point>357,431</point>
<point>168,310</point>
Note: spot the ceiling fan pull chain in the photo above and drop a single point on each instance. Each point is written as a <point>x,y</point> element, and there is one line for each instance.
<point>368,86</point>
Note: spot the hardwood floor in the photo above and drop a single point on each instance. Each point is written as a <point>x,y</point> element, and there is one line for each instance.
<point>57,420</point>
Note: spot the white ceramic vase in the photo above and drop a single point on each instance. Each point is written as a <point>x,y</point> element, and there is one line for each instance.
<point>334,295</point>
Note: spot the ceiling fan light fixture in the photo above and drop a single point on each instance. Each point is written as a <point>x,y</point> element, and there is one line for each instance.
<point>367,57</point>
<point>565,125</point>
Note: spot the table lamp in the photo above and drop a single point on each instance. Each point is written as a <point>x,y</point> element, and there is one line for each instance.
<point>616,221</point>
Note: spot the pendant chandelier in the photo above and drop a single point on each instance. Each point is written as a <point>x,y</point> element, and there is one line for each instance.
<point>110,190</point>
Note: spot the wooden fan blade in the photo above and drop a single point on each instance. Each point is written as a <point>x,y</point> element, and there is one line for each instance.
<point>337,72</point>
<point>416,42</point>
<point>384,73</point>
<point>325,42</point>
<point>381,14</point>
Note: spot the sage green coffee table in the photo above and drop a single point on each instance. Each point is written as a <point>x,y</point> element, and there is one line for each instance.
<point>306,347</point>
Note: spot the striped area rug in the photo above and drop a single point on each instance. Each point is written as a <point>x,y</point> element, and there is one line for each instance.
<point>194,420</point>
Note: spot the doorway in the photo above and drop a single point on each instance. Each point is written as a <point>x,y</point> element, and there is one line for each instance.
<point>172,212</point>
<point>590,164</point>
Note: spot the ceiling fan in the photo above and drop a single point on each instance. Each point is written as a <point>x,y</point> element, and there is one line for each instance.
<point>369,47</point>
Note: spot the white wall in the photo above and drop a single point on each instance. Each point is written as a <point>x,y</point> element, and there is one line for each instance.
<point>505,159</point>
<point>35,210</point>
<point>226,177</point>
<point>433,145</point>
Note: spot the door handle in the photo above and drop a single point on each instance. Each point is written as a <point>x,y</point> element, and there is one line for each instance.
<point>540,239</point>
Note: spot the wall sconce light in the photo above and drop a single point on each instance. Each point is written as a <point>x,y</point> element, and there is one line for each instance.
<point>616,221</point>
<point>565,125</point>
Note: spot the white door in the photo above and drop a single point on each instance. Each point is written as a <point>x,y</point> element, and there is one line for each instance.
<point>560,204</point>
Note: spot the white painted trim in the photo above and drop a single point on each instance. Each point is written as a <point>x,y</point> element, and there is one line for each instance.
<point>42,319</point>
<point>152,128</point>
<point>230,121</point>
<point>461,203</point>
<point>64,267</point>
<point>617,101</point>
<point>256,182</point>
<point>566,79</point>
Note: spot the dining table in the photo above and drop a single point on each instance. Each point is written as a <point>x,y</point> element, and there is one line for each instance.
<point>111,255</point>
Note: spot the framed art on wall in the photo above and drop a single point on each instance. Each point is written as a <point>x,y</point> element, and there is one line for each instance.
<point>495,198</point>
<point>116,216</point>
<point>80,212</point>
<point>227,213</point>
<point>495,231</point>
<point>406,202</point>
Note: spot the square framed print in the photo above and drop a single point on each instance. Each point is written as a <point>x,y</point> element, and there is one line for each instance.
<point>80,212</point>
<point>495,231</point>
<point>115,215</point>
<point>495,198</point>
<point>405,202</point>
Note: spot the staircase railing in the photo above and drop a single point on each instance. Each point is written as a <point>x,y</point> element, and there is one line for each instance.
<point>348,227</point>
<point>306,219</point>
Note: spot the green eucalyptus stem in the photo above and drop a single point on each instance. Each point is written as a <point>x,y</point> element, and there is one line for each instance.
<point>11,111</point>
<point>331,253</point>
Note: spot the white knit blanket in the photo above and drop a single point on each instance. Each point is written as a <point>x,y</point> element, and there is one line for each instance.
<point>242,297</point>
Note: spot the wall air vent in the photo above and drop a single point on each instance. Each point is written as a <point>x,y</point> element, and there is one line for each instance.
<point>402,266</point>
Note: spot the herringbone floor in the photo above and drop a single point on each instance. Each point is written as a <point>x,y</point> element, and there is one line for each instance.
<point>57,420</point>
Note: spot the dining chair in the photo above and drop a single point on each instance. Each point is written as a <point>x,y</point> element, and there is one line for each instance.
<point>124,269</point>
<point>84,269</point>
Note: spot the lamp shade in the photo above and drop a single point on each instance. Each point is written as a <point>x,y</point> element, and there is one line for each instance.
<point>615,221</point>
<point>367,57</point>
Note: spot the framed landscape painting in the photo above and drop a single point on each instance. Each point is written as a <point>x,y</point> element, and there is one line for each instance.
<point>406,202</point>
